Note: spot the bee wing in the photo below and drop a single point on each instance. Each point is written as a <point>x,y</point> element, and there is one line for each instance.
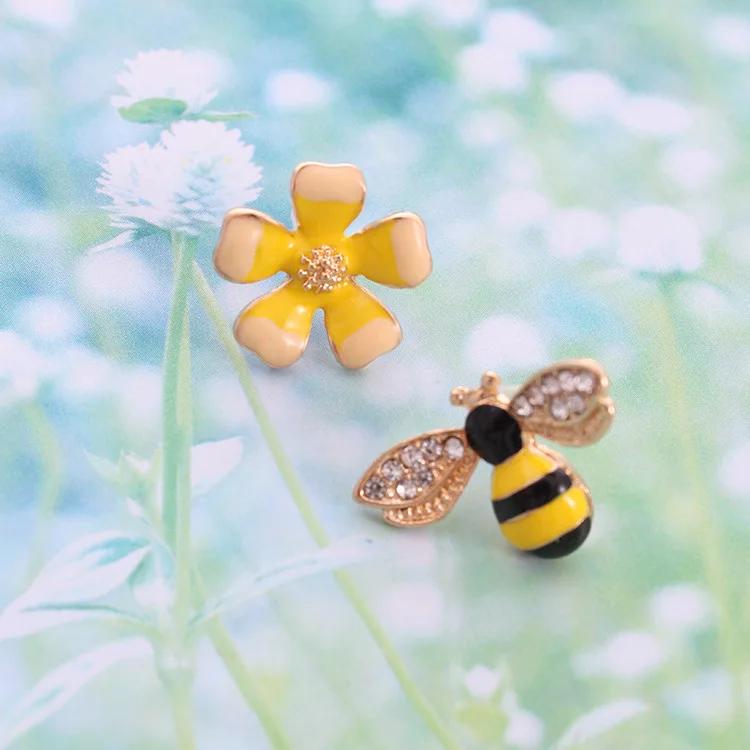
<point>418,481</point>
<point>567,402</point>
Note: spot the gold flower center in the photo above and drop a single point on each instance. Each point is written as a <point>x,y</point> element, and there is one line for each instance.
<point>322,270</point>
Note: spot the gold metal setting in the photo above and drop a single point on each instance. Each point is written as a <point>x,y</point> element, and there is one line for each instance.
<point>324,269</point>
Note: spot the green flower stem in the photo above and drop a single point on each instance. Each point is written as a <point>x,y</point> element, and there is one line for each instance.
<point>678,401</point>
<point>181,702</point>
<point>178,435</point>
<point>51,460</point>
<point>246,684</point>
<point>307,512</point>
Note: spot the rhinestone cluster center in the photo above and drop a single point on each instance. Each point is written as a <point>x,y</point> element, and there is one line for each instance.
<point>323,269</point>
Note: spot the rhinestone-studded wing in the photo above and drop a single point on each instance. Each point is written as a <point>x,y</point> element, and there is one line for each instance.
<point>567,402</point>
<point>417,482</point>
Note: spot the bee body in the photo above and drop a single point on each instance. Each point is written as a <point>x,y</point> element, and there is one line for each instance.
<point>536,502</point>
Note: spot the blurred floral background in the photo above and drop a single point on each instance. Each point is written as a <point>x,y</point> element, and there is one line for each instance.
<point>182,563</point>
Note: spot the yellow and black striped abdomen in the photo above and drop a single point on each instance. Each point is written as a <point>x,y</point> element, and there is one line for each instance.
<point>537,506</point>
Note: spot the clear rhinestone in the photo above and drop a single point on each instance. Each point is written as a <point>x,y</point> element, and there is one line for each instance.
<point>423,476</point>
<point>411,456</point>
<point>567,380</point>
<point>374,488</point>
<point>392,470</point>
<point>534,395</point>
<point>522,407</point>
<point>585,382</point>
<point>454,448</point>
<point>559,409</point>
<point>431,449</point>
<point>576,403</point>
<point>408,489</point>
<point>550,386</point>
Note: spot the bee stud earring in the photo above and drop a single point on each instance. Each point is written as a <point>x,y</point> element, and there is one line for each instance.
<point>541,504</point>
<point>321,263</point>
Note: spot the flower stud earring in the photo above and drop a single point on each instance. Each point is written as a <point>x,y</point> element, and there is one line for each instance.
<point>321,263</point>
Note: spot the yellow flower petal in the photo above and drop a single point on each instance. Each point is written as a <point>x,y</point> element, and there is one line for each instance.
<point>277,326</point>
<point>392,251</point>
<point>327,198</point>
<point>252,246</point>
<point>360,328</point>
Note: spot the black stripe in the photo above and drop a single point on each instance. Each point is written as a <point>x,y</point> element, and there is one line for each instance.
<point>566,544</point>
<point>541,492</point>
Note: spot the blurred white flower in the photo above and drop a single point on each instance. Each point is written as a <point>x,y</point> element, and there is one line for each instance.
<point>22,368</point>
<point>499,61</point>
<point>572,232</point>
<point>482,682</point>
<point>629,655</point>
<point>520,208</point>
<point>415,609</point>
<point>83,374</point>
<point>444,12</point>
<point>48,319</point>
<point>659,239</point>
<point>54,14</point>
<point>186,182</point>
<point>729,35</point>
<point>524,730</point>
<point>733,470</point>
<point>506,343</point>
<point>190,77</point>
<point>485,67</point>
<point>119,279</point>
<point>138,394</point>
<point>585,95</point>
<point>654,116</point>
<point>681,607</point>
<point>298,89</point>
<point>521,32</point>
<point>689,167</point>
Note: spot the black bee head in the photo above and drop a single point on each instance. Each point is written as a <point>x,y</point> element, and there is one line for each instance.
<point>493,433</point>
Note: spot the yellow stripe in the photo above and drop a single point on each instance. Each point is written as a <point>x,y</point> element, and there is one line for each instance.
<point>548,523</point>
<point>519,471</point>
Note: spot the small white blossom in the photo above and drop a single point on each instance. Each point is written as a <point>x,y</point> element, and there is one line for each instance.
<point>190,77</point>
<point>729,35</point>
<point>733,473</point>
<point>654,116</point>
<point>186,182</point>
<point>522,32</point>
<point>681,607</point>
<point>629,656</point>
<point>585,95</point>
<point>659,239</point>
<point>482,682</point>
<point>293,89</point>
<point>524,730</point>
<point>691,168</point>
<point>48,320</point>
<point>54,14</point>
<point>22,368</point>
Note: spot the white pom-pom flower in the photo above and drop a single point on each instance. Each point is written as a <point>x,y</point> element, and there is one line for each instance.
<point>186,182</point>
<point>190,77</point>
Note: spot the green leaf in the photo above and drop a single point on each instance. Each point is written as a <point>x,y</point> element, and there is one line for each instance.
<point>51,693</point>
<point>85,570</point>
<point>220,116</point>
<point>156,111</point>
<point>600,721</point>
<point>338,555</point>
<point>487,722</point>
